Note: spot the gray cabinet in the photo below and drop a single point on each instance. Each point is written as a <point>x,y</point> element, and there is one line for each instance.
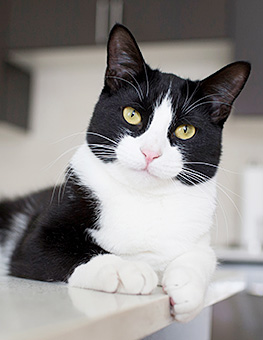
<point>155,20</point>
<point>29,24</point>
<point>248,38</point>
<point>51,23</point>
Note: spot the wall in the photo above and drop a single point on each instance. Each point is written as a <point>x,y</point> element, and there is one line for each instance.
<point>65,88</point>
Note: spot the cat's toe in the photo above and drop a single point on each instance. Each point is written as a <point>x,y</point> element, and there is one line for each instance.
<point>186,302</point>
<point>186,292</point>
<point>107,279</point>
<point>110,273</point>
<point>136,278</point>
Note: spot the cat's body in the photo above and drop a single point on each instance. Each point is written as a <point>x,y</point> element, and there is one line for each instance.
<point>139,196</point>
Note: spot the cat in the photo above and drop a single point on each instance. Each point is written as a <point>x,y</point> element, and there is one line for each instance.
<point>137,204</point>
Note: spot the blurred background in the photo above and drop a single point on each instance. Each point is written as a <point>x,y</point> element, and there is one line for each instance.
<point>52,63</point>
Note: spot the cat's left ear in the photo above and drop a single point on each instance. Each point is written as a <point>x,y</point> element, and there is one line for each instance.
<point>223,87</point>
<point>124,60</point>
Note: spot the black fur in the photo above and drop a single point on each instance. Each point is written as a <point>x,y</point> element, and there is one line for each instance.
<point>55,240</point>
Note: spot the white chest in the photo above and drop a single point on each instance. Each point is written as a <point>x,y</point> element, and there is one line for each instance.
<point>153,228</point>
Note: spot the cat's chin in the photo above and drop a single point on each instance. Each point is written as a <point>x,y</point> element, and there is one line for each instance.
<point>139,179</point>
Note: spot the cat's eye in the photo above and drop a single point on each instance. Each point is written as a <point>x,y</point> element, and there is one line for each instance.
<point>131,116</point>
<point>185,131</point>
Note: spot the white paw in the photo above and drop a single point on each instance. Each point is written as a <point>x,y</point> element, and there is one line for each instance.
<point>186,291</point>
<point>110,273</point>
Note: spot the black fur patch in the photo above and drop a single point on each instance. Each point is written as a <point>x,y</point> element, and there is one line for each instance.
<point>56,239</point>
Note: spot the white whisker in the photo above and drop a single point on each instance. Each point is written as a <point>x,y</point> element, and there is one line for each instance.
<point>192,95</point>
<point>59,157</point>
<point>207,102</point>
<point>197,101</point>
<point>196,175</point>
<point>139,87</point>
<point>197,179</point>
<point>67,137</point>
<point>213,165</point>
<point>128,82</point>
<point>187,94</point>
<point>99,135</point>
<point>147,80</point>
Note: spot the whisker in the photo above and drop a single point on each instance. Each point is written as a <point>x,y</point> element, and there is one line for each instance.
<point>139,87</point>
<point>187,94</point>
<point>102,149</point>
<point>207,102</point>
<point>177,102</point>
<point>128,82</point>
<point>147,80</point>
<point>59,157</point>
<point>105,155</point>
<point>217,200</point>
<point>213,165</point>
<point>194,92</point>
<point>99,135</point>
<point>62,173</point>
<point>62,187</point>
<point>197,101</point>
<point>72,135</point>
<point>104,146</point>
<point>202,176</point>
<point>218,184</point>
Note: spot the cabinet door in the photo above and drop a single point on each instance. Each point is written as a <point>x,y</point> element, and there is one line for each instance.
<point>48,23</point>
<point>248,37</point>
<point>155,20</point>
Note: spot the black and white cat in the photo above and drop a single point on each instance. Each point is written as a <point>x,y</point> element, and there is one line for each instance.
<point>137,204</point>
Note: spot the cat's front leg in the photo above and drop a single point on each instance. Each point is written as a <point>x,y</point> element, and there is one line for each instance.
<point>110,273</point>
<point>186,280</point>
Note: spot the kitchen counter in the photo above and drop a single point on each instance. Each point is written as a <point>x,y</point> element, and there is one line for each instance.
<point>47,311</point>
<point>238,255</point>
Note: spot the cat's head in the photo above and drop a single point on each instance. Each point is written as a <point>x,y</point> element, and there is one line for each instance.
<point>150,126</point>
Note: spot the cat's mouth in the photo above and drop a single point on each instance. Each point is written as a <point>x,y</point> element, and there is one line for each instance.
<point>152,171</point>
<point>147,171</point>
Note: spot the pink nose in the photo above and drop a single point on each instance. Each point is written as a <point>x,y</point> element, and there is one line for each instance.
<point>150,155</point>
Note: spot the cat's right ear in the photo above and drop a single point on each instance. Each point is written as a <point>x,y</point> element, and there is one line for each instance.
<point>124,60</point>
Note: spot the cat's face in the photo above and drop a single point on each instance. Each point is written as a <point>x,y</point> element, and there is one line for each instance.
<point>150,127</point>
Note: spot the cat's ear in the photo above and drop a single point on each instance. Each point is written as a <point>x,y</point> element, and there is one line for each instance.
<point>223,87</point>
<point>124,60</point>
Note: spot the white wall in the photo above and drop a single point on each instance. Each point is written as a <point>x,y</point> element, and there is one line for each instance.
<point>66,85</point>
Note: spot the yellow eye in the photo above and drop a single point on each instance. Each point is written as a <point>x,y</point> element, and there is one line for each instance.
<point>131,116</point>
<point>185,131</point>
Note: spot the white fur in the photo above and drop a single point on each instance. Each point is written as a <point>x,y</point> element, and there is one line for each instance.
<point>110,273</point>
<point>146,216</point>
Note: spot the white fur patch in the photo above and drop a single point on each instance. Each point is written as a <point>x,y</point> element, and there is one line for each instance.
<point>18,226</point>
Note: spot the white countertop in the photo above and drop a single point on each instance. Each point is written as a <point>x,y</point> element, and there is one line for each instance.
<point>39,310</point>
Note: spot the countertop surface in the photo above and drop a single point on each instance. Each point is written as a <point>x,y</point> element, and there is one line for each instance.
<point>239,255</point>
<point>39,310</point>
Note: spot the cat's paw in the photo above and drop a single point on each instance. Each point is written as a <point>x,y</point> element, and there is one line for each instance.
<point>186,291</point>
<point>110,273</point>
